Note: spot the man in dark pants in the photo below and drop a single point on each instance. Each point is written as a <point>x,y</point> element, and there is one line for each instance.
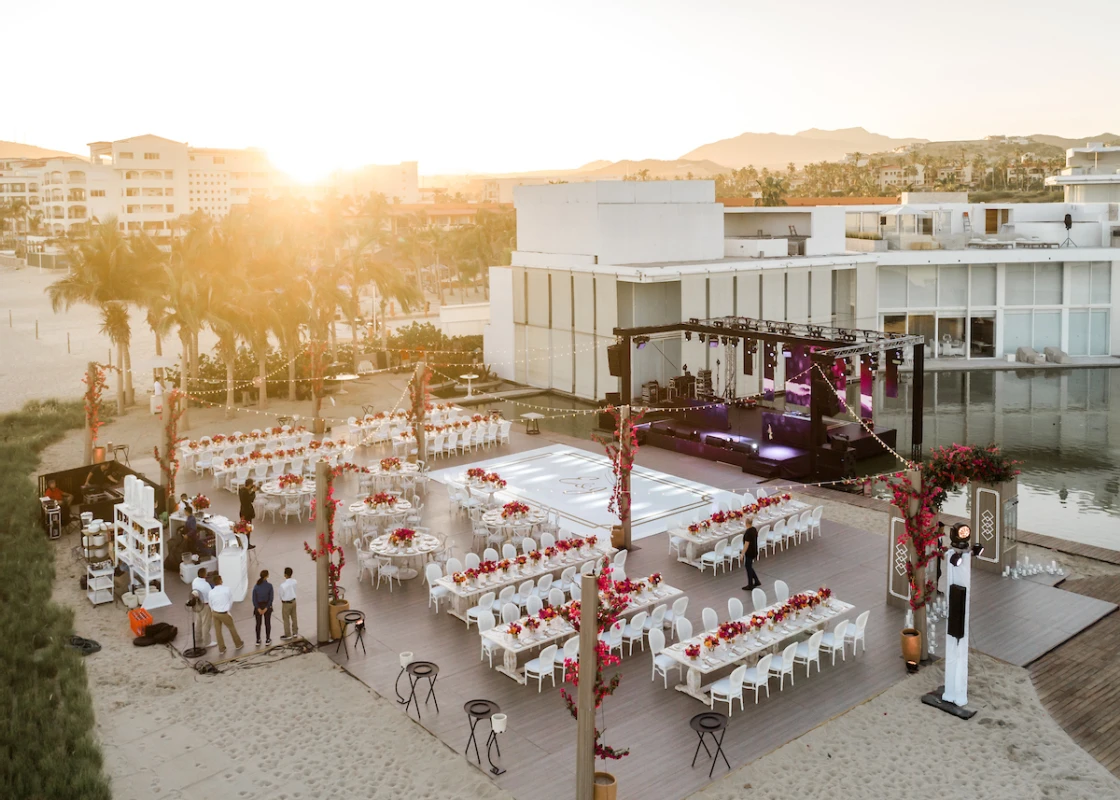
<point>245,496</point>
<point>750,552</point>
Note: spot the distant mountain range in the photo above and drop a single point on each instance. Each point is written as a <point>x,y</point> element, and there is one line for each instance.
<point>776,150</point>
<point>17,150</point>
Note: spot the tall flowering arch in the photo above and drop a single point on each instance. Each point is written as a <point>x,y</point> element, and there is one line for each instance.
<point>621,450</point>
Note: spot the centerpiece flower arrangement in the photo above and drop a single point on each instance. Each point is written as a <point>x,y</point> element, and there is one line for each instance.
<point>514,509</point>
<point>242,526</point>
<point>477,418</point>
<point>200,503</point>
<point>751,509</point>
<point>591,540</point>
<point>624,586</point>
<point>290,480</point>
<point>218,438</point>
<point>402,536</point>
<point>655,579</point>
<point>569,610</point>
<point>471,574</point>
<point>314,444</point>
<point>532,623</point>
<point>193,445</point>
<point>692,651</point>
<point>718,518</point>
<point>563,545</point>
<point>787,497</point>
<point>390,464</point>
<point>549,552</point>
<point>381,500</point>
<point>729,631</point>
<point>711,642</point>
<point>255,455</point>
<point>277,430</point>
<point>229,462</point>
<point>254,435</point>
<point>514,630</point>
<point>536,556</point>
<point>476,473</point>
<point>458,578</point>
<point>522,560</point>
<point>548,613</point>
<point>504,565</point>
<point>698,527</point>
<point>494,480</point>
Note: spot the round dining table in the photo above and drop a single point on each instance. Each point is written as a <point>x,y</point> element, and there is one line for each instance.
<point>493,518</point>
<point>423,546</point>
<point>272,488</point>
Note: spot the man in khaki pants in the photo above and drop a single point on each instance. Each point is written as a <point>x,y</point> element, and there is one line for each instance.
<point>221,601</point>
<point>288,605</point>
<point>203,619</point>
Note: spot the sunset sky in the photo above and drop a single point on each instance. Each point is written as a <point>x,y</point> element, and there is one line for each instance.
<point>498,86</point>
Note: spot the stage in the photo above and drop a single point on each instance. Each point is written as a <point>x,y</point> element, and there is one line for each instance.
<point>578,483</point>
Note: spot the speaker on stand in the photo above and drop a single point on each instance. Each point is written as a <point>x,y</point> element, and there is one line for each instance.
<point>1069,227</point>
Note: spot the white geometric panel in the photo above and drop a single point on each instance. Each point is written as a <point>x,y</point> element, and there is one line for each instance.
<point>987,525</point>
<point>900,560</point>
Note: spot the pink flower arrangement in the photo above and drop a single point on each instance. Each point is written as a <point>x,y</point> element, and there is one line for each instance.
<point>390,464</point>
<point>711,642</point>
<point>458,578</point>
<point>381,500</point>
<point>242,526</point>
<point>514,509</point>
<point>402,536</point>
<point>476,473</point>
<point>692,651</point>
<point>514,630</point>
<point>532,623</point>
<point>655,579</point>
<point>200,503</point>
<point>290,479</point>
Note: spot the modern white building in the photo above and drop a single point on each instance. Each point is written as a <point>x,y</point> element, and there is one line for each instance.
<point>977,280</point>
<point>1091,175</point>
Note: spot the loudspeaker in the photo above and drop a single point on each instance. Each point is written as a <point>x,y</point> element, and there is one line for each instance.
<point>614,398</point>
<point>716,441</point>
<point>1068,221</point>
<point>614,360</point>
<point>958,597</point>
<point>748,357</point>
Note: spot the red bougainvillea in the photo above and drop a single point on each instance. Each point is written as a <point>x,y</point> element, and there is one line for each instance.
<point>327,548</point>
<point>174,410</point>
<point>92,401</point>
<point>622,458</point>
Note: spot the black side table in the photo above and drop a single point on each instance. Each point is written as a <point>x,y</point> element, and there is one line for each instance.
<point>358,620</point>
<point>418,670</point>
<point>710,723</point>
<point>478,710</point>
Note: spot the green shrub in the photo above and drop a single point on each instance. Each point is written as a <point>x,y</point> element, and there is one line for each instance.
<point>875,237</point>
<point>47,747</point>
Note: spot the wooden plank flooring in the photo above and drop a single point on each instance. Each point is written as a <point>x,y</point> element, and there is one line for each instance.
<point>1079,682</point>
<point>1016,621</point>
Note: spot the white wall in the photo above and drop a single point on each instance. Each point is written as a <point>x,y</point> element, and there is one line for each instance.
<point>498,334</point>
<point>464,320</point>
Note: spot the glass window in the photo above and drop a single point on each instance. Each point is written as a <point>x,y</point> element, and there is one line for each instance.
<point>950,337</point>
<point>923,325</point>
<point>1101,282</point>
<point>895,323</point>
<point>892,287</point>
<point>922,287</point>
<point>952,286</point>
<point>1019,285</point>
<point>983,284</point>
<point>1047,330</point>
<point>982,336</point>
<point>1016,330</point>
<point>1078,334</point>
<point>1078,284</point>
<point>1047,284</point>
<point>1098,333</point>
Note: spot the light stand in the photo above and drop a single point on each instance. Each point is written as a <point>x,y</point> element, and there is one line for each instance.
<point>1069,227</point>
<point>195,651</point>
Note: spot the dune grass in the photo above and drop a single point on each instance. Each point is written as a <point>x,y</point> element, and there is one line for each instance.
<point>47,747</point>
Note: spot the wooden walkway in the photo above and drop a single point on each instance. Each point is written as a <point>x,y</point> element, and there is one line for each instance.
<point>1079,682</point>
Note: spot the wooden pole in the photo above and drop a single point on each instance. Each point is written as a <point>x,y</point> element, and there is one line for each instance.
<point>915,477</point>
<point>322,583</point>
<point>167,413</point>
<point>624,475</point>
<point>87,450</point>
<point>420,413</point>
<point>585,694</point>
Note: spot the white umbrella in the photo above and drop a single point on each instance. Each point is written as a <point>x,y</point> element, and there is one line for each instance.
<point>905,211</point>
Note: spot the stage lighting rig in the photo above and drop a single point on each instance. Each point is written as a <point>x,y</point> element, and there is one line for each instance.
<point>641,341</point>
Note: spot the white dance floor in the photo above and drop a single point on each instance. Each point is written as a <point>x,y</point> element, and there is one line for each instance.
<point>578,484</point>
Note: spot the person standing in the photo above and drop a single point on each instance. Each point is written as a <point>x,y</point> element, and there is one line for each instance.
<point>246,495</point>
<point>221,602</point>
<point>288,606</point>
<point>203,620</point>
<point>262,606</point>
<point>750,552</point>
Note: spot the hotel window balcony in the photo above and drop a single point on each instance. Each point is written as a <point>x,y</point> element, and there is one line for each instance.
<point>77,212</point>
<point>152,174</point>
<point>76,195</point>
<point>132,175</point>
<point>76,177</point>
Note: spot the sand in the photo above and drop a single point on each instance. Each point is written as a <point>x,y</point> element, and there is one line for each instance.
<point>894,747</point>
<point>295,728</point>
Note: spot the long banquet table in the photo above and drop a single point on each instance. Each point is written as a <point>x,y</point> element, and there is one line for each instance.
<point>753,645</point>
<point>699,543</point>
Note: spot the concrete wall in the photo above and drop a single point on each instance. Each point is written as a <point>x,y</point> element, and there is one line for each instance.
<point>498,334</point>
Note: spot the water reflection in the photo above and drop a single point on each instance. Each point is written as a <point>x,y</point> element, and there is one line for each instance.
<point>1064,426</point>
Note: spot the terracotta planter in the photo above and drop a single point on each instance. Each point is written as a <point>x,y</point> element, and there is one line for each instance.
<point>617,540</point>
<point>911,645</point>
<point>337,607</point>
<point>606,787</point>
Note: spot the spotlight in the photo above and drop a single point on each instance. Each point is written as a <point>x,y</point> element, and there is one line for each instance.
<point>693,321</point>
<point>911,667</point>
<point>641,341</point>
<point>714,342</point>
<point>688,336</point>
<point>701,337</point>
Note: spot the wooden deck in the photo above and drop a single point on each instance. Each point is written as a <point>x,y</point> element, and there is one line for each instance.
<point>1017,621</point>
<point>1079,682</point>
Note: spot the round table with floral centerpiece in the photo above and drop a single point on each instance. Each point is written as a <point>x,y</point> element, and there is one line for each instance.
<point>514,513</point>
<point>488,484</point>
<point>288,485</point>
<point>381,506</point>
<point>406,546</point>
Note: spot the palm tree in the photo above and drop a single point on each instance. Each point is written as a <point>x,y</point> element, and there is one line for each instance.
<point>773,190</point>
<point>386,272</point>
<point>115,325</point>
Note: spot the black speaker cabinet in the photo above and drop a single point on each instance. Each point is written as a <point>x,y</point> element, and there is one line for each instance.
<point>958,597</point>
<point>614,360</point>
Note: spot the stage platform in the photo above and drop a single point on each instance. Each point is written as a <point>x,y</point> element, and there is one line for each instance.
<point>578,485</point>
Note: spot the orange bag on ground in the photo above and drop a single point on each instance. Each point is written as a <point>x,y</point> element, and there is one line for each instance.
<point>139,619</point>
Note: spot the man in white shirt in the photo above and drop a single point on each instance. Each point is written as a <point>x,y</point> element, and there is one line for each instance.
<point>221,601</point>
<point>203,621</point>
<point>288,605</point>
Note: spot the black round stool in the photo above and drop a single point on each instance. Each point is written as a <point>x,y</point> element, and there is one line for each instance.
<point>478,710</point>
<point>418,670</point>
<point>710,722</point>
<point>358,620</point>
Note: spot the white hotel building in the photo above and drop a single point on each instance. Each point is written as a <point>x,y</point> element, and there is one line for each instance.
<point>977,280</point>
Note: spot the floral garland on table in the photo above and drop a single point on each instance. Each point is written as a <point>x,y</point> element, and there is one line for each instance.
<point>343,468</point>
<point>381,500</point>
<point>622,458</point>
<point>91,400</point>
<point>489,567</point>
<point>515,509</point>
<point>327,548</point>
<point>290,479</point>
<point>402,536</point>
<point>389,464</point>
<point>611,605</point>
<point>173,409</point>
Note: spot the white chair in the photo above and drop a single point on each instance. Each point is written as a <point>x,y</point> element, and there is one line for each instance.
<point>542,665</point>
<point>661,662</point>
<point>387,569</point>
<point>773,539</point>
<point>680,605</point>
<point>367,564</point>
<point>577,592</point>
<point>815,522</point>
<point>635,631</point>
<point>533,606</point>
<point>555,597</point>
<point>791,534</point>
<point>433,573</point>
<point>455,565</point>
<point>619,559</point>
<point>758,599</point>
<point>527,544</point>
<point>504,596</point>
<point>783,665</point>
<point>293,507</point>
<point>544,586</point>
<point>734,608</point>
<point>801,524</point>
<point>485,623</point>
<point>748,499</point>
<point>489,554</point>
<point>833,641</point>
<point>856,635</point>
<point>510,613</point>
<point>451,444</point>
<point>714,557</point>
<point>656,620</point>
<point>734,553</point>
<point>777,535</point>
<point>728,689</point>
<point>297,466</point>
<point>471,561</point>
<point>566,579</point>
<point>547,540</point>
<point>781,592</point>
<point>204,462</point>
<point>710,619</point>
<point>758,676</point>
<point>569,653</point>
<point>503,431</point>
<point>684,629</point>
<point>526,590</point>
<point>613,637</point>
<point>509,551</point>
<point>238,479</point>
<point>260,472</point>
<point>760,492</point>
<point>809,653</point>
<point>485,606</point>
